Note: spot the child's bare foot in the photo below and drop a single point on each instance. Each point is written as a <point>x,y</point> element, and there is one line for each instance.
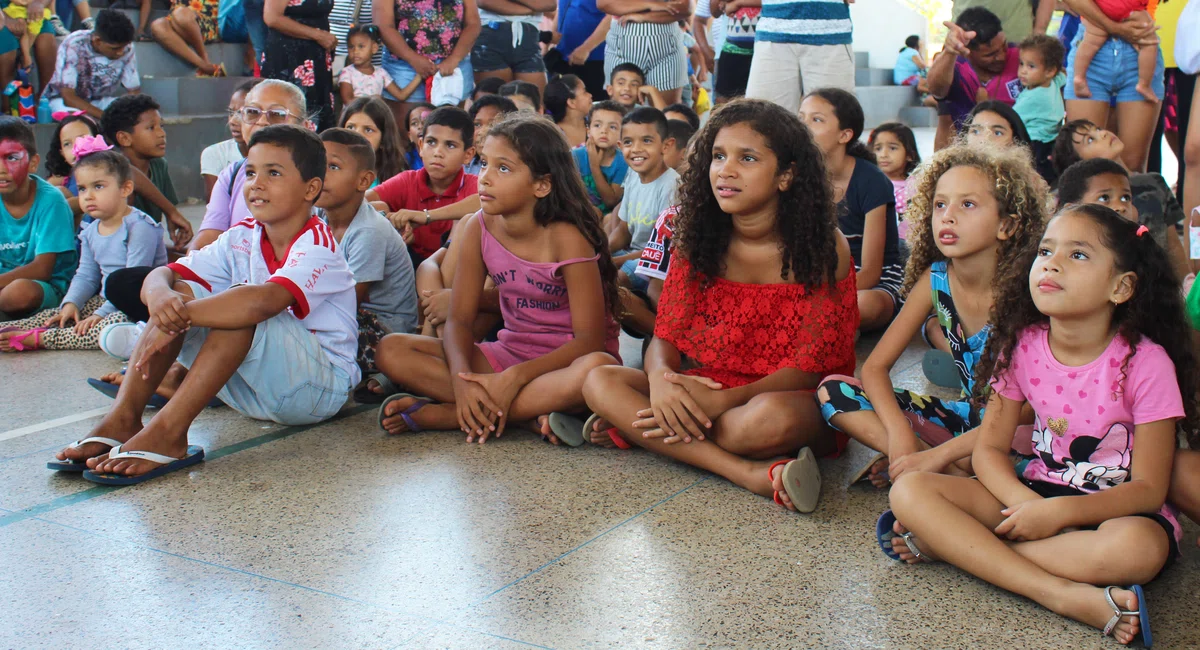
<point>1143,88</point>
<point>542,428</point>
<point>170,383</point>
<point>777,487</point>
<point>152,438</point>
<point>1081,86</point>
<point>878,474</point>
<point>599,434</point>
<point>906,549</point>
<point>115,425</point>
<point>1087,604</point>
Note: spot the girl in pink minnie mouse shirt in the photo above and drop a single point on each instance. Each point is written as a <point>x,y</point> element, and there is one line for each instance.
<point>1094,339</point>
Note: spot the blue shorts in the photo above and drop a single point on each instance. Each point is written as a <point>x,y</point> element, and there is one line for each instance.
<point>403,74</point>
<point>638,282</point>
<point>286,377</point>
<point>1113,74</point>
<point>508,46</point>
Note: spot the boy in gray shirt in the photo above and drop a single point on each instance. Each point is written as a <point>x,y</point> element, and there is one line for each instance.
<point>649,191</point>
<point>375,252</point>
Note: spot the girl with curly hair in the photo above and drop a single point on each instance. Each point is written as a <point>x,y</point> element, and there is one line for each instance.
<point>1093,338</point>
<point>759,304</point>
<point>974,209</point>
<point>540,241</point>
<point>866,202</point>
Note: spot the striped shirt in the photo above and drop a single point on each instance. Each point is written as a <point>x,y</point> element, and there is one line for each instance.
<point>806,22</point>
<point>340,20</point>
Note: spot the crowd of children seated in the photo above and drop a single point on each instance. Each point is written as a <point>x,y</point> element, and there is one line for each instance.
<point>472,267</point>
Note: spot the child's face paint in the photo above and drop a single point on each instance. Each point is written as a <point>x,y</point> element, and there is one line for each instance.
<point>16,165</point>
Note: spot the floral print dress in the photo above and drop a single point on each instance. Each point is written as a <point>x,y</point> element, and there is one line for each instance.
<point>304,62</point>
<point>430,27</point>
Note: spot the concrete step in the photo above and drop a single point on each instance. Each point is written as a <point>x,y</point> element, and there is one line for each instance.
<point>187,136</point>
<point>191,95</point>
<point>155,62</point>
<point>919,116</point>
<point>155,14</point>
<point>883,103</point>
<point>873,77</point>
<point>862,59</point>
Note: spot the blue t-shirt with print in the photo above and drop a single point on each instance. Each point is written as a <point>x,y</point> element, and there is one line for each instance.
<point>614,173</point>
<point>48,227</point>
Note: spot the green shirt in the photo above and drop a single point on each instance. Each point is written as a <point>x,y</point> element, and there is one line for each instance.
<point>48,227</point>
<point>1042,109</point>
<point>1193,305</point>
<point>162,180</point>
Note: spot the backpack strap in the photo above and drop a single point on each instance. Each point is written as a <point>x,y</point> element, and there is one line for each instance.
<point>237,167</point>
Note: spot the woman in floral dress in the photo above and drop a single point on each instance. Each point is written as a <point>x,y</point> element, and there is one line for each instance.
<point>300,50</point>
<point>424,37</point>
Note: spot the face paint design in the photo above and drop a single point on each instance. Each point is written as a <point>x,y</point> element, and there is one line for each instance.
<point>16,161</point>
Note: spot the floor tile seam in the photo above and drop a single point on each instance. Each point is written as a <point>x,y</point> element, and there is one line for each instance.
<point>597,537</point>
<point>228,450</point>
<point>287,583</point>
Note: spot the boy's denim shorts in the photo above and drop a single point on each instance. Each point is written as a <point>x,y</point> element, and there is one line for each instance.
<point>286,377</point>
<point>1113,74</point>
<point>403,73</point>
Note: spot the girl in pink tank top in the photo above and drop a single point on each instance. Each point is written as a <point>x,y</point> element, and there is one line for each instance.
<point>540,241</point>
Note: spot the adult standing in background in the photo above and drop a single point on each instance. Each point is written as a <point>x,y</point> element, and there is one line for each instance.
<point>800,46</point>
<point>582,29</point>
<point>1018,18</point>
<point>300,50</point>
<point>977,63</point>
<point>647,34</point>
<point>1112,77</point>
<point>423,38</point>
<point>509,43</point>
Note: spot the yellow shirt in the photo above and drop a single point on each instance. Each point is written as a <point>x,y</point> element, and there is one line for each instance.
<point>1167,17</point>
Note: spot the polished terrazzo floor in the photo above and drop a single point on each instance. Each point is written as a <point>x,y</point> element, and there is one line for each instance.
<point>336,536</point>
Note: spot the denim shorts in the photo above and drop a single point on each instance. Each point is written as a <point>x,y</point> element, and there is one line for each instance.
<point>286,377</point>
<point>637,281</point>
<point>402,73</point>
<point>508,46</point>
<point>1113,74</point>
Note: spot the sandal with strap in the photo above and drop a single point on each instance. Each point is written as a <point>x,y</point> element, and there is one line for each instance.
<point>406,414</point>
<point>218,71</point>
<point>885,532</point>
<point>613,435</point>
<point>17,338</point>
<point>801,481</point>
<point>166,465</point>
<point>80,466</point>
<point>1142,612</point>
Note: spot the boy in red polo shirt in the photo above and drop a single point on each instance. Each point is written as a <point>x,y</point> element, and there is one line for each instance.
<point>424,204</point>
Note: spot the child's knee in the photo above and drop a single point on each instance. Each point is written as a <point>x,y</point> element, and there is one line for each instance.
<point>21,296</point>
<point>600,382</point>
<point>589,362</point>
<point>910,489</point>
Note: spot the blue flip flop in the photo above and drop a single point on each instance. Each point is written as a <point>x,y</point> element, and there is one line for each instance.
<point>885,533</point>
<point>406,414</point>
<point>156,401</point>
<point>1142,612</point>
<point>73,466</point>
<point>940,369</point>
<point>195,454</point>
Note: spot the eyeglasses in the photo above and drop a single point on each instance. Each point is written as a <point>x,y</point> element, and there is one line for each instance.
<point>251,115</point>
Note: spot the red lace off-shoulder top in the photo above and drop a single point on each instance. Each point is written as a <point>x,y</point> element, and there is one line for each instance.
<point>739,333</point>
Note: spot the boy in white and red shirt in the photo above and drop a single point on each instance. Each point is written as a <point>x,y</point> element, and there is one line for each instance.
<point>263,318</point>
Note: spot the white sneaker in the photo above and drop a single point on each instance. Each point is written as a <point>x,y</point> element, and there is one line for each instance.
<point>117,340</point>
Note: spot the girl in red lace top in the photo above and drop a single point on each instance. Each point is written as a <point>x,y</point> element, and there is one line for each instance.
<point>759,305</point>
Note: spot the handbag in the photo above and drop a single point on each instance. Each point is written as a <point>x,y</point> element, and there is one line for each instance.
<point>1187,45</point>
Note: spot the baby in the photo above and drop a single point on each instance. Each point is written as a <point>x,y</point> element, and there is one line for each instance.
<point>34,13</point>
<point>1096,36</point>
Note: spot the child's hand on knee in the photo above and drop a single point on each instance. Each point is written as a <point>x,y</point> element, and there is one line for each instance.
<point>930,460</point>
<point>84,326</point>
<point>477,413</point>
<point>1032,520</point>
<point>69,313</point>
<point>678,415</point>
<point>168,309</point>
